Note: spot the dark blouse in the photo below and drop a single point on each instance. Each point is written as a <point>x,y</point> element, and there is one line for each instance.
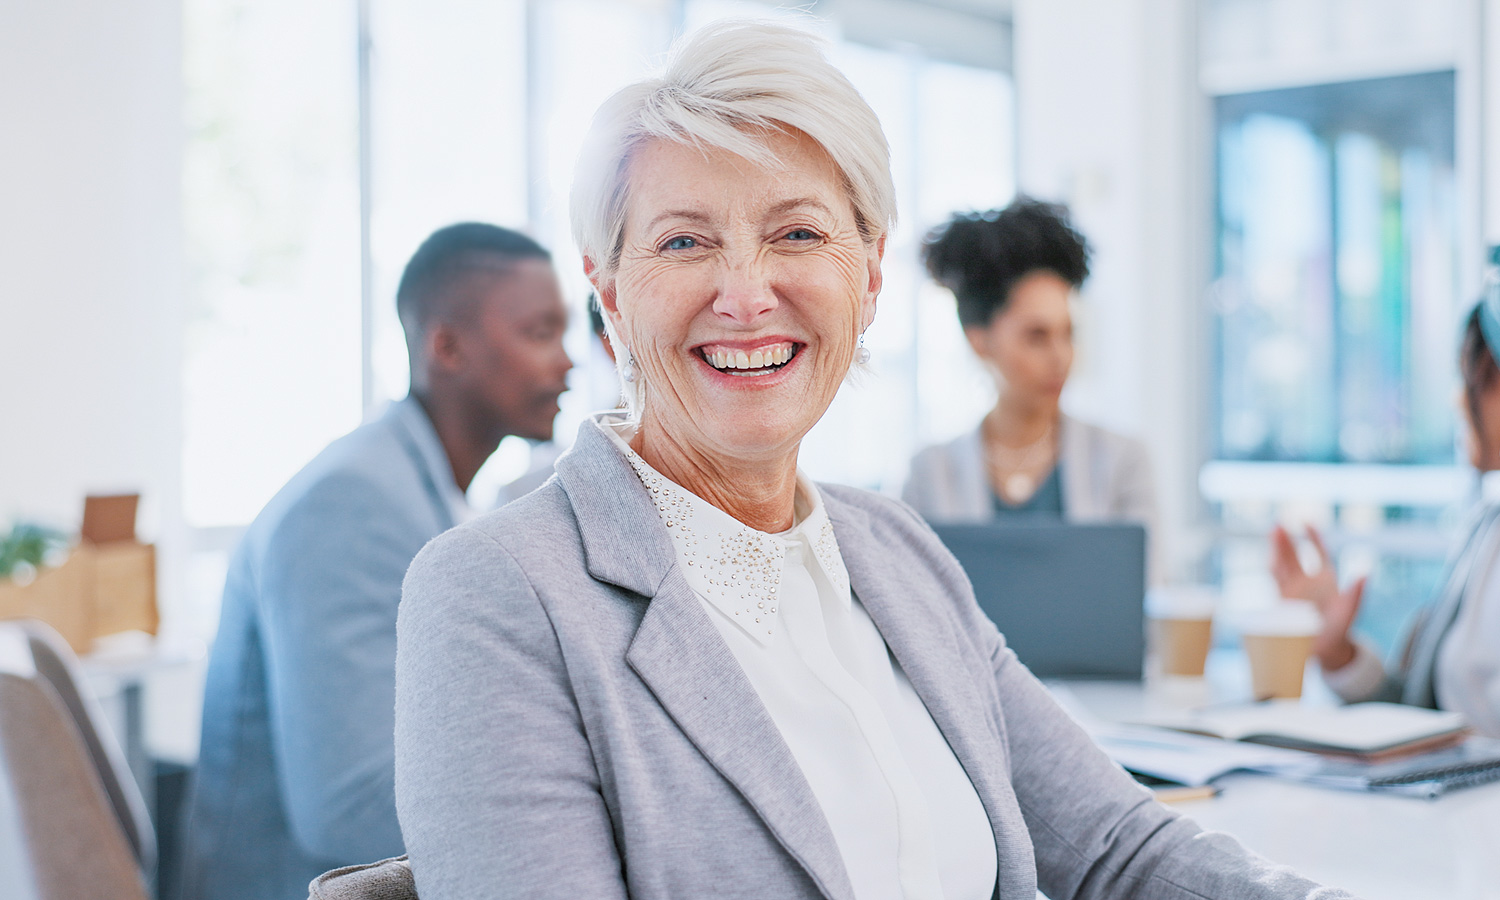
<point>1046,502</point>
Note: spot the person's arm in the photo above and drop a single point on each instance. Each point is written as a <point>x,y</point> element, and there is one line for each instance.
<point>1334,648</point>
<point>496,784</point>
<point>1474,688</point>
<point>1097,834</point>
<point>330,583</point>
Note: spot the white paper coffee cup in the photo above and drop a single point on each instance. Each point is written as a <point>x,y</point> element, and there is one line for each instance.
<point>1180,624</point>
<point>1278,641</point>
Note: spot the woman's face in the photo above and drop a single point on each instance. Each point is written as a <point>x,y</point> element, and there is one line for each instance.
<point>1030,343</point>
<point>1483,437</point>
<point>741,292</point>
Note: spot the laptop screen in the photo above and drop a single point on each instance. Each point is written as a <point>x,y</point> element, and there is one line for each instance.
<point>1070,599</point>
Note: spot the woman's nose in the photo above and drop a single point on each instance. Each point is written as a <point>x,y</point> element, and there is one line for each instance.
<point>744,293</point>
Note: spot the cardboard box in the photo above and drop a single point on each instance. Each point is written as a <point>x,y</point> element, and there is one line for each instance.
<point>103,587</point>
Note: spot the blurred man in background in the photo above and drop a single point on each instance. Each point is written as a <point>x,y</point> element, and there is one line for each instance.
<point>295,774</point>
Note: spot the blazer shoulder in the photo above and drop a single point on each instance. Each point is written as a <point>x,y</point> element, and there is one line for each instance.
<point>877,506</point>
<point>889,521</point>
<point>534,534</point>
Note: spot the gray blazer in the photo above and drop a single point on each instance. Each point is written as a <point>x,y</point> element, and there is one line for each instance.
<point>570,724</point>
<point>296,773</point>
<point>1105,476</point>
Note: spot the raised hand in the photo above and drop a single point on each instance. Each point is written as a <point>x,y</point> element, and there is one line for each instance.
<point>1294,582</point>
<point>1338,608</point>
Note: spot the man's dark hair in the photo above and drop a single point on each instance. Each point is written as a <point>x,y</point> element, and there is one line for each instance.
<point>981,256</point>
<point>596,315</point>
<point>449,255</point>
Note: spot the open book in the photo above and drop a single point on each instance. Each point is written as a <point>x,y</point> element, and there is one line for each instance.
<point>1367,731</point>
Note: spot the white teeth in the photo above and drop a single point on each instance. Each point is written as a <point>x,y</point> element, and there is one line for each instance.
<point>730,360</point>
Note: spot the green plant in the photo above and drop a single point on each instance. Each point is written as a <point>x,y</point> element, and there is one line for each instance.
<point>28,546</point>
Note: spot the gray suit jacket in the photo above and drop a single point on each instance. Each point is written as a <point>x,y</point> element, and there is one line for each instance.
<point>1413,680</point>
<point>570,724</point>
<point>296,772</point>
<point>1105,476</point>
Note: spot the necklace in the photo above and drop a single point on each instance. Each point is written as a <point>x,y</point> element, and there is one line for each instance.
<point>1011,467</point>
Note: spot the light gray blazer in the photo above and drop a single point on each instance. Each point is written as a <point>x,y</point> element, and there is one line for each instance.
<point>1105,476</point>
<point>570,724</point>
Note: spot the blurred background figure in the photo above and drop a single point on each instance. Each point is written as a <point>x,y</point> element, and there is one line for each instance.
<point>1013,273</point>
<point>296,771</point>
<point>1451,656</point>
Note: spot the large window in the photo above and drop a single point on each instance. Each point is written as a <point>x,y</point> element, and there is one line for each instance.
<point>272,365</point>
<point>1337,255</point>
<point>325,144</point>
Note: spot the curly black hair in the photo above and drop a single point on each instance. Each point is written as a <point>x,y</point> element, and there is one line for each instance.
<point>980,256</point>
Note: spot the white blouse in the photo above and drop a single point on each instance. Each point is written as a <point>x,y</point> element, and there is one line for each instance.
<point>906,819</point>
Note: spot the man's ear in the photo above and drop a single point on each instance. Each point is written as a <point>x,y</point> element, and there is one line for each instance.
<point>444,347</point>
<point>979,341</point>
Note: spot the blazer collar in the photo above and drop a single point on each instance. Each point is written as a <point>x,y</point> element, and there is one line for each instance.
<point>678,653</point>
<point>415,431</point>
<point>617,522</point>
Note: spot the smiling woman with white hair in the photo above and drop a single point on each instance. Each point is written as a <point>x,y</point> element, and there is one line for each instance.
<point>682,669</point>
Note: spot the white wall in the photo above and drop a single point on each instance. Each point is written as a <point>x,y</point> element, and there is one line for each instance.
<point>1109,122</point>
<point>91,299</point>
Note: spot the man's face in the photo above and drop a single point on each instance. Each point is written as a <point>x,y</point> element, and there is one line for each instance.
<point>511,363</point>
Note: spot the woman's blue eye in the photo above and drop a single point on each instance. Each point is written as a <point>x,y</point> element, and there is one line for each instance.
<point>801,234</point>
<point>681,243</point>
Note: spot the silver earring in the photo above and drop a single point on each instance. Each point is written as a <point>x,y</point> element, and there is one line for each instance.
<point>862,354</point>
<point>628,371</point>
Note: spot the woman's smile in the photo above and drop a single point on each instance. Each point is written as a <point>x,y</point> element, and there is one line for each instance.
<point>760,360</point>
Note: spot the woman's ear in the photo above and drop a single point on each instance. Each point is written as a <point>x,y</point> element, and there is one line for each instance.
<point>604,288</point>
<point>873,285</point>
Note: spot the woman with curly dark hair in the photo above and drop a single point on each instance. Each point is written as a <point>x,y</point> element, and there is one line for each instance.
<point>1013,272</point>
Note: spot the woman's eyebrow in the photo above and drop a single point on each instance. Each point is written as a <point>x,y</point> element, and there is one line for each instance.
<point>786,206</point>
<point>691,215</point>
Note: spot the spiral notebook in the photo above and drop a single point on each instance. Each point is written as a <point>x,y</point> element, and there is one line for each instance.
<point>1475,761</point>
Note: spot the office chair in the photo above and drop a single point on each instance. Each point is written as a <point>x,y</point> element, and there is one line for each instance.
<point>55,662</point>
<point>389,879</point>
<point>71,837</point>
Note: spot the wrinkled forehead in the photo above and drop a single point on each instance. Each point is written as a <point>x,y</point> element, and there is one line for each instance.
<point>665,178</point>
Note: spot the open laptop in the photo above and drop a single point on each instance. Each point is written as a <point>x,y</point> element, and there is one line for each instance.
<point>1070,599</point>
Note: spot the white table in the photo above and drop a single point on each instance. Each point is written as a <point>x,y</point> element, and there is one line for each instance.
<point>1380,847</point>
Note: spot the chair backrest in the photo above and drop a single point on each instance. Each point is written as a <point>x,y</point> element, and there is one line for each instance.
<point>71,837</point>
<point>55,662</point>
<point>389,879</point>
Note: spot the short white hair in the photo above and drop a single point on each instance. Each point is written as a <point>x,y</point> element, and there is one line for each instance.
<point>721,86</point>
<point>726,86</point>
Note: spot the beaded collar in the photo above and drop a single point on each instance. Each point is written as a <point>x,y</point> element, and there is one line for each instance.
<point>726,562</point>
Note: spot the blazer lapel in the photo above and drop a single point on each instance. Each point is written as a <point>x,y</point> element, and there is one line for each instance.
<point>975,501</point>
<point>1077,471</point>
<point>1420,688</point>
<point>678,653</point>
<point>923,645</point>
